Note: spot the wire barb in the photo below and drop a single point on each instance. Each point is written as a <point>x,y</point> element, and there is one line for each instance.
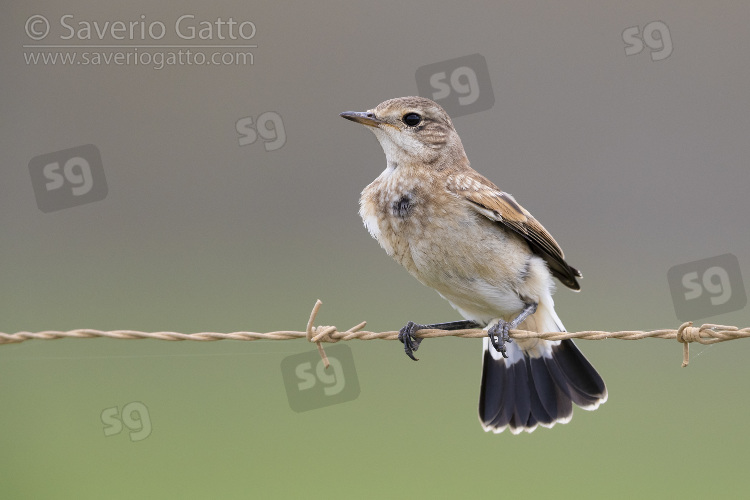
<point>705,334</point>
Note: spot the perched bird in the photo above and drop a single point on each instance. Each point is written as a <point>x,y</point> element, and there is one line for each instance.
<point>457,232</point>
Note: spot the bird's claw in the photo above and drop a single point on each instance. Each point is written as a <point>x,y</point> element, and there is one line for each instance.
<point>407,337</point>
<point>499,335</point>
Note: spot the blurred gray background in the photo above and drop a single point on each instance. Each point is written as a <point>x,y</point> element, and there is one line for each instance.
<point>635,163</point>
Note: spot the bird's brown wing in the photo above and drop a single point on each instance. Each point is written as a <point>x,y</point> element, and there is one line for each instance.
<point>496,205</point>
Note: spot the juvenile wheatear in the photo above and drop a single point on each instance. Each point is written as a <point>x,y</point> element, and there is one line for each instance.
<point>458,233</point>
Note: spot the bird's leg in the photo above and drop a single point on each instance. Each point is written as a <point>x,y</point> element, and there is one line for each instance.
<point>498,332</point>
<point>411,342</point>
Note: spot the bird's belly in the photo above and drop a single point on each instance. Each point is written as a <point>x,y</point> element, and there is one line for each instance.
<point>471,262</point>
<point>476,271</point>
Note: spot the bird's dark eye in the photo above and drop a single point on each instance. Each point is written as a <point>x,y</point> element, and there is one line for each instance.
<point>412,119</point>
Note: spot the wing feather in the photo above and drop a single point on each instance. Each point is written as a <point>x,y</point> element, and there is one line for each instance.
<point>488,200</point>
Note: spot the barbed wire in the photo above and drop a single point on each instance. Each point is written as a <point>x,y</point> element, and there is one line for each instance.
<point>705,334</point>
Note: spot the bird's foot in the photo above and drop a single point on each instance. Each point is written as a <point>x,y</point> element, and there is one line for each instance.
<point>498,334</point>
<point>407,337</point>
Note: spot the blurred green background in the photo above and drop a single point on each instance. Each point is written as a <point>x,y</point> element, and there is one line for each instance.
<point>634,165</point>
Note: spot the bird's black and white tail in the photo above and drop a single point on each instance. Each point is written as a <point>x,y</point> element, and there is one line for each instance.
<point>538,383</point>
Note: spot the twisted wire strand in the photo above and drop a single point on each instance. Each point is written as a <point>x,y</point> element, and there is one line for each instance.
<point>706,334</point>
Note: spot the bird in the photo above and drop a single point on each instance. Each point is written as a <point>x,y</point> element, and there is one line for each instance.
<point>458,233</point>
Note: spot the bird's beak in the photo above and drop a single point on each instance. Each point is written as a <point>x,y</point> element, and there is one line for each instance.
<point>363,117</point>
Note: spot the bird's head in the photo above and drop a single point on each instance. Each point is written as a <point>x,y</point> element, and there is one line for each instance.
<point>412,130</point>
